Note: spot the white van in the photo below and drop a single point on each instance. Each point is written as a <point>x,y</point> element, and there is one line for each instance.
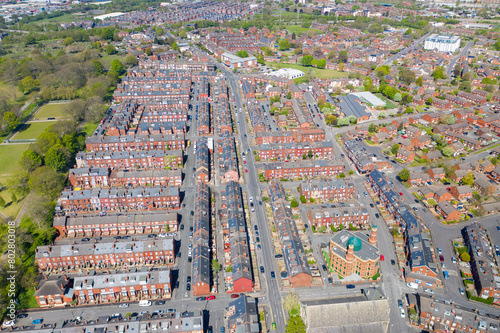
<point>145,303</point>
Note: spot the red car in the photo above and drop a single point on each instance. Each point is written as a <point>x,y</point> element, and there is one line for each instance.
<point>246,170</point>
<point>209,298</point>
<point>401,193</point>
<point>235,295</point>
<point>382,257</point>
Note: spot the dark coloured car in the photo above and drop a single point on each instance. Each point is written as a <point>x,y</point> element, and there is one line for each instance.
<point>377,216</point>
<point>416,201</point>
<point>262,269</point>
<point>278,256</point>
<point>182,226</point>
<point>22,315</point>
<point>350,286</point>
<point>371,205</point>
<point>257,239</point>
<point>191,228</point>
<point>85,239</point>
<point>255,227</point>
<point>176,284</point>
<point>190,259</point>
<point>188,287</point>
<point>393,262</point>
<point>330,281</point>
<point>272,275</point>
<point>441,258</point>
<point>210,329</point>
<point>324,267</point>
<point>202,298</point>
<point>160,303</point>
<point>188,279</point>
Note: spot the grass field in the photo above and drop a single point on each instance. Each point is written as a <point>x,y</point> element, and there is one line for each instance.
<point>10,155</point>
<point>388,103</point>
<point>11,208</point>
<point>320,73</point>
<point>299,30</point>
<point>89,128</point>
<point>32,130</point>
<point>55,110</point>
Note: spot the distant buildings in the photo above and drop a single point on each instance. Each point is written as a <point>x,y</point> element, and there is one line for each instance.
<point>442,43</point>
<point>354,253</point>
<point>350,105</point>
<point>233,61</point>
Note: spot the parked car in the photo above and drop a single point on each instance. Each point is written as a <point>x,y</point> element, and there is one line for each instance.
<point>382,258</point>
<point>235,295</point>
<point>22,315</point>
<point>324,267</point>
<point>393,262</point>
<point>461,290</point>
<point>377,216</point>
<point>209,298</point>
<point>37,321</point>
<point>188,287</point>
<point>262,269</point>
<point>124,305</point>
<point>400,303</point>
<point>160,303</point>
<point>439,250</point>
<point>350,286</point>
<point>441,258</point>
<point>402,313</point>
<point>330,281</point>
<point>202,298</point>
<point>272,274</point>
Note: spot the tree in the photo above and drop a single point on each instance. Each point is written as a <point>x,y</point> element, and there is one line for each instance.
<point>30,160</point>
<point>438,73</point>
<point>321,63</point>
<point>395,148</point>
<point>310,153</point>
<point>407,76</point>
<point>372,128</point>
<point>175,47</point>
<point>46,182</point>
<point>10,121</point>
<point>331,55</point>
<point>465,86</point>
<point>448,119</point>
<point>382,71</point>
<point>397,97</point>
<point>19,183</point>
<point>420,81</point>
<point>68,41</point>
<point>130,61</point>
<point>2,202</point>
<point>294,203</point>
<point>429,101</point>
<point>13,197</point>
<point>303,199</point>
<point>111,49</point>
<point>343,56</point>
<point>465,256</point>
<point>468,179</point>
<point>447,151</point>
<point>117,67</point>
<point>57,157</point>
<point>284,44</point>
<point>148,51</point>
<point>216,266</point>
<point>28,84</point>
<point>331,120</point>
<point>306,60</point>
<point>98,67</point>
<point>294,36</point>
<point>242,54</point>
<point>404,175</point>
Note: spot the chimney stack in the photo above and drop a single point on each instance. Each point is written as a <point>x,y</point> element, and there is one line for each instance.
<point>350,253</point>
<point>373,236</point>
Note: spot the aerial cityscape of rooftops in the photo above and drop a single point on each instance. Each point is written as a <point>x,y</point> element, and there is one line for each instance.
<point>249,166</point>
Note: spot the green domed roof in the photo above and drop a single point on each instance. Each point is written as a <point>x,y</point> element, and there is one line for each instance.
<point>356,242</point>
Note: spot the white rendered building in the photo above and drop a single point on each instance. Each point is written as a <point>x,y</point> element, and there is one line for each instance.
<point>442,43</point>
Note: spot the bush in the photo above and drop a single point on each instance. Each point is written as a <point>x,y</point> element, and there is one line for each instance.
<point>465,256</point>
<point>303,199</point>
<point>294,203</point>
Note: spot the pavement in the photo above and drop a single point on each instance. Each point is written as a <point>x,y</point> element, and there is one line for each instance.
<point>453,61</point>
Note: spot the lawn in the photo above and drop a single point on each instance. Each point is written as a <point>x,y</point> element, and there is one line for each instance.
<point>32,130</point>
<point>388,103</point>
<point>52,110</point>
<point>319,73</point>
<point>89,128</point>
<point>298,29</point>
<point>11,208</point>
<point>10,155</point>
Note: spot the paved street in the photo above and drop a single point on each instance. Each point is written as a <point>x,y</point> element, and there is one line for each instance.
<point>453,61</point>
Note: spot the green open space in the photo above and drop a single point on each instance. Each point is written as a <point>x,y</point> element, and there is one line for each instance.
<point>55,110</point>
<point>89,128</point>
<point>32,130</point>
<point>298,29</point>
<point>319,73</point>
<point>10,155</point>
<point>388,103</point>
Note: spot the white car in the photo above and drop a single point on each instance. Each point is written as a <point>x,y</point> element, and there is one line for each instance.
<point>124,305</point>
<point>162,235</point>
<point>9,323</point>
<point>402,313</point>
